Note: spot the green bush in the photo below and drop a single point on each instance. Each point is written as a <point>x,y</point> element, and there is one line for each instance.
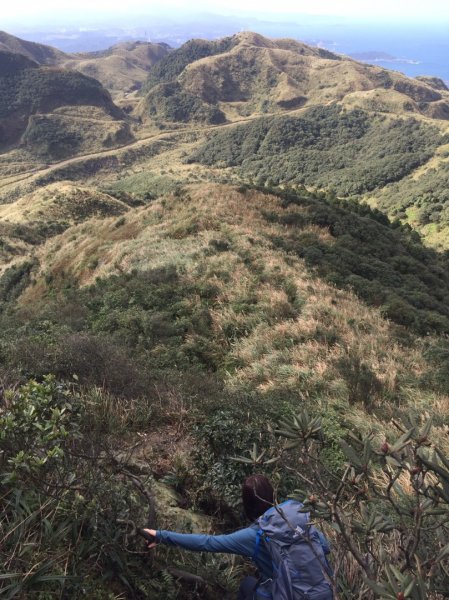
<point>14,280</point>
<point>61,504</point>
<point>328,147</point>
<point>171,103</point>
<point>363,385</point>
<point>173,64</point>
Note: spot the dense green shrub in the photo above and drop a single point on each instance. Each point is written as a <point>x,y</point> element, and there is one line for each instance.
<point>14,280</point>
<point>61,504</point>
<point>363,385</point>
<point>173,64</point>
<point>423,200</point>
<point>328,147</point>
<point>170,102</point>
<point>149,312</point>
<point>383,263</point>
<point>95,360</point>
<point>49,138</point>
<point>44,89</point>
<point>224,429</point>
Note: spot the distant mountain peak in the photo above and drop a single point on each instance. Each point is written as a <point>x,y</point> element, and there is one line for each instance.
<point>249,74</point>
<point>40,53</point>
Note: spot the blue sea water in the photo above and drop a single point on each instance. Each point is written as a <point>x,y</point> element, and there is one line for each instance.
<point>422,54</point>
<point>423,48</point>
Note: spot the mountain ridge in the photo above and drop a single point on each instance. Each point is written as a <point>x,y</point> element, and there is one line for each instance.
<point>30,95</point>
<point>196,268</point>
<point>250,74</point>
<point>40,53</point>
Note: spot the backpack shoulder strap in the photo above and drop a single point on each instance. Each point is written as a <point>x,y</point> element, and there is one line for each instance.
<point>259,535</point>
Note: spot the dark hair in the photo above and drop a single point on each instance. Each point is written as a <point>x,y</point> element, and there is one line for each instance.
<point>257,496</point>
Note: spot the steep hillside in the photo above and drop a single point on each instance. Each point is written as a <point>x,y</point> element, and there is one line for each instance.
<point>346,244</point>
<point>191,322</point>
<point>36,217</point>
<point>29,97</point>
<point>40,53</point>
<point>258,295</point>
<point>123,68</point>
<point>192,299</point>
<point>248,74</point>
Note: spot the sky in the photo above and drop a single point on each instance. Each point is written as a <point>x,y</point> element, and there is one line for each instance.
<point>428,10</point>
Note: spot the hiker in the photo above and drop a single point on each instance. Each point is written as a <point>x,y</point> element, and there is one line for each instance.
<point>290,554</point>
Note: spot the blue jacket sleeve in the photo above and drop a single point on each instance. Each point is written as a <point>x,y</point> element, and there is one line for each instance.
<point>240,542</point>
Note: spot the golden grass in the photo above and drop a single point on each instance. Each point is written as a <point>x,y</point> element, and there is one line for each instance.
<point>60,201</point>
<point>259,69</point>
<point>122,69</point>
<point>280,343</point>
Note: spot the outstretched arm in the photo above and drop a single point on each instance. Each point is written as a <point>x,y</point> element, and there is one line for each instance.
<point>240,542</point>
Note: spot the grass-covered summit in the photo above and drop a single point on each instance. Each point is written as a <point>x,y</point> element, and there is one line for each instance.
<point>40,53</point>
<point>123,68</point>
<point>249,74</point>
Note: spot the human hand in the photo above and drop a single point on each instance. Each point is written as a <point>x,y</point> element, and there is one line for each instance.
<point>149,535</point>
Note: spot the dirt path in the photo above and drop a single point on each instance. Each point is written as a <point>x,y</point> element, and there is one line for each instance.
<point>29,176</point>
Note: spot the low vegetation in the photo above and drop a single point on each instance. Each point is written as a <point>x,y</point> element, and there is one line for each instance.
<point>172,65</point>
<point>167,336</point>
<point>421,201</point>
<point>169,102</point>
<point>328,147</point>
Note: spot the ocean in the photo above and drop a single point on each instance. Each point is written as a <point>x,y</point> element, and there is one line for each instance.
<point>417,49</point>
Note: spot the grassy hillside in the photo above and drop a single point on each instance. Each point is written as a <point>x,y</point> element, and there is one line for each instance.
<point>61,204</point>
<point>40,53</point>
<point>29,222</point>
<point>174,63</point>
<point>193,320</point>
<point>421,200</point>
<point>154,330</point>
<point>123,68</point>
<point>205,262</point>
<point>248,74</point>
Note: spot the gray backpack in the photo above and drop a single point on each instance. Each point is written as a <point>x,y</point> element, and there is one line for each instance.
<point>298,552</point>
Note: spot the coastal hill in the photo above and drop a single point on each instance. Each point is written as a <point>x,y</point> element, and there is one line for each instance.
<point>121,68</point>
<point>40,53</point>
<point>182,283</point>
<point>248,74</point>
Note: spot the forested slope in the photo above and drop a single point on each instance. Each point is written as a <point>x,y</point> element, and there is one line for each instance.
<point>328,147</point>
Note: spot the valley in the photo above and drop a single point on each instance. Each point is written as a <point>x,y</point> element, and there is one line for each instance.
<point>197,247</point>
